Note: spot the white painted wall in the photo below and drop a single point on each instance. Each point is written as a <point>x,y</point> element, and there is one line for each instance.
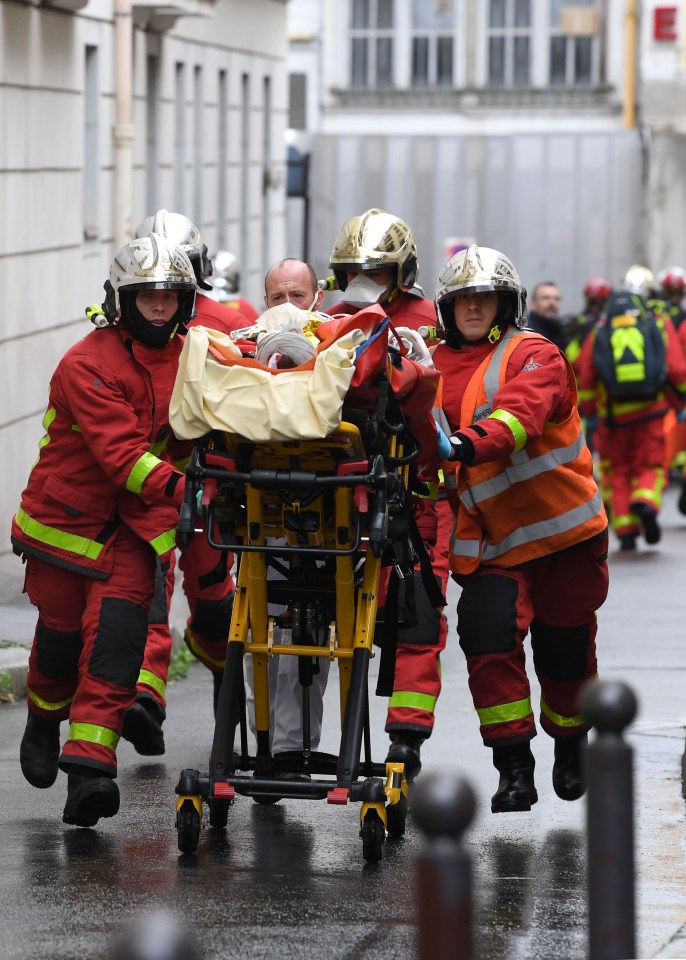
<point>48,272</point>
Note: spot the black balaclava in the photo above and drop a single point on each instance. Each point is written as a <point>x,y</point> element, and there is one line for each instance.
<point>144,331</point>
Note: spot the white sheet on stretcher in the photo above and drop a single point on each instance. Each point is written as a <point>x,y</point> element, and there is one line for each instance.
<point>256,404</point>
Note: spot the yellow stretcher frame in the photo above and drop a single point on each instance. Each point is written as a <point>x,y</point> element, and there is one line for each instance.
<point>263,513</point>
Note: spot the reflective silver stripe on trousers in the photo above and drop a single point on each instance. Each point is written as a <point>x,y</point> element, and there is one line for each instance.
<point>530,533</point>
<point>523,470</point>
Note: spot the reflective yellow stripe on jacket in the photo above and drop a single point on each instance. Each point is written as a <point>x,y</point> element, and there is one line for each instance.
<point>141,471</point>
<point>71,542</point>
<point>510,512</point>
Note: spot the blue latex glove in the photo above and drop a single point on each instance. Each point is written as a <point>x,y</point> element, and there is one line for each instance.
<point>681,415</point>
<point>444,447</point>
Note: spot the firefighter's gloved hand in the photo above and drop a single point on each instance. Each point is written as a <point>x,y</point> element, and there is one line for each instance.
<point>461,448</point>
<point>444,447</point>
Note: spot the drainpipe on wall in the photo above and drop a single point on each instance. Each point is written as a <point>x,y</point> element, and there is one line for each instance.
<point>630,48</point>
<point>123,126</point>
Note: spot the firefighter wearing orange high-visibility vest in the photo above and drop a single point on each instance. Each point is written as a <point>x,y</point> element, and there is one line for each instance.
<point>529,545</point>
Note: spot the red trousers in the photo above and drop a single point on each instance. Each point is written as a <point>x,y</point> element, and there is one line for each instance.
<point>88,647</point>
<point>556,599</point>
<point>633,456</point>
<point>417,683</point>
<point>209,590</point>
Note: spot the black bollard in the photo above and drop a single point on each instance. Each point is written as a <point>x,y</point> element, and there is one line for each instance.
<point>443,807</point>
<point>610,707</point>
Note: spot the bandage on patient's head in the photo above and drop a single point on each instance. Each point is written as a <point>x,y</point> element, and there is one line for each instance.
<point>283,349</point>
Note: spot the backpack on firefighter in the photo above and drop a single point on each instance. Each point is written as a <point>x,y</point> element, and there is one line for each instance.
<point>629,351</point>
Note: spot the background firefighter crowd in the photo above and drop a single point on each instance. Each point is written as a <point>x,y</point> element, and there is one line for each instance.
<point>509,508</point>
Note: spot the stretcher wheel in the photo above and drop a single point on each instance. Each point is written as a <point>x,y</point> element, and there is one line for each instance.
<point>188,828</point>
<point>219,813</point>
<point>373,837</point>
<point>396,815</point>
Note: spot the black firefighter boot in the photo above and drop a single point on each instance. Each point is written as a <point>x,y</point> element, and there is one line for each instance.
<point>40,750</point>
<point>91,794</point>
<point>516,790</point>
<point>569,782</point>
<point>143,726</point>
<point>405,748</point>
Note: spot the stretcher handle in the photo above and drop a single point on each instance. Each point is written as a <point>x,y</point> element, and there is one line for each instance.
<point>270,479</point>
<point>185,528</point>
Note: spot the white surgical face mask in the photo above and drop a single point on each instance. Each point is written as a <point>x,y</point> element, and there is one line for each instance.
<point>362,292</point>
<point>312,305</point>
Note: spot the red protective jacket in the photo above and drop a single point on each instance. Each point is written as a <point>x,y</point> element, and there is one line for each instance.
<point>242,306</point>
<point>107,426</point>
<point>406,310</point>
<point>217,316</point>
<point>593,401</point>
<point>537,390</point>
<point>537,496</point>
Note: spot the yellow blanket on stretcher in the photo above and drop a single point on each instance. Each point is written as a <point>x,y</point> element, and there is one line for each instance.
<point>216,389</point>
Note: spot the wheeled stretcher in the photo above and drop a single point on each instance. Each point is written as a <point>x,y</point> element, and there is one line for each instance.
<point>326,514</point>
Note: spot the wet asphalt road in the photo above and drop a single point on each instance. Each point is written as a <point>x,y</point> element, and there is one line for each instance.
<point>289,880</point>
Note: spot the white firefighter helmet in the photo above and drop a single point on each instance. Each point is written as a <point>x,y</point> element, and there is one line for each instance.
<point>152,262</point>
<point>479,269</point>
<point>226,272</point>
<point>181,231</point>
<point>639,280</point>
<point>374,240</point>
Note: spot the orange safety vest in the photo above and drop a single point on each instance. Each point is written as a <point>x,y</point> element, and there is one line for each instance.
<point>540,500</point>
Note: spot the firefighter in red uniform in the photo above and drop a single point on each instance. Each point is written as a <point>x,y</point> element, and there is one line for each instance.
<point>529,545</point>
<point>99,507</point>
<point>597,292</point>
<point>672,284</point>
<point>207,581</point>
<point>374,260</point>
<point>630,432</point>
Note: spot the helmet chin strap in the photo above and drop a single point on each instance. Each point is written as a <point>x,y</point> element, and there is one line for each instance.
<point>144,331</point>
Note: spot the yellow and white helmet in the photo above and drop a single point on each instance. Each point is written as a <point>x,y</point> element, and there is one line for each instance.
<point>182,232</point>
<point>371,241</point>
<point>639,280</point>
<point>479,269</point>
